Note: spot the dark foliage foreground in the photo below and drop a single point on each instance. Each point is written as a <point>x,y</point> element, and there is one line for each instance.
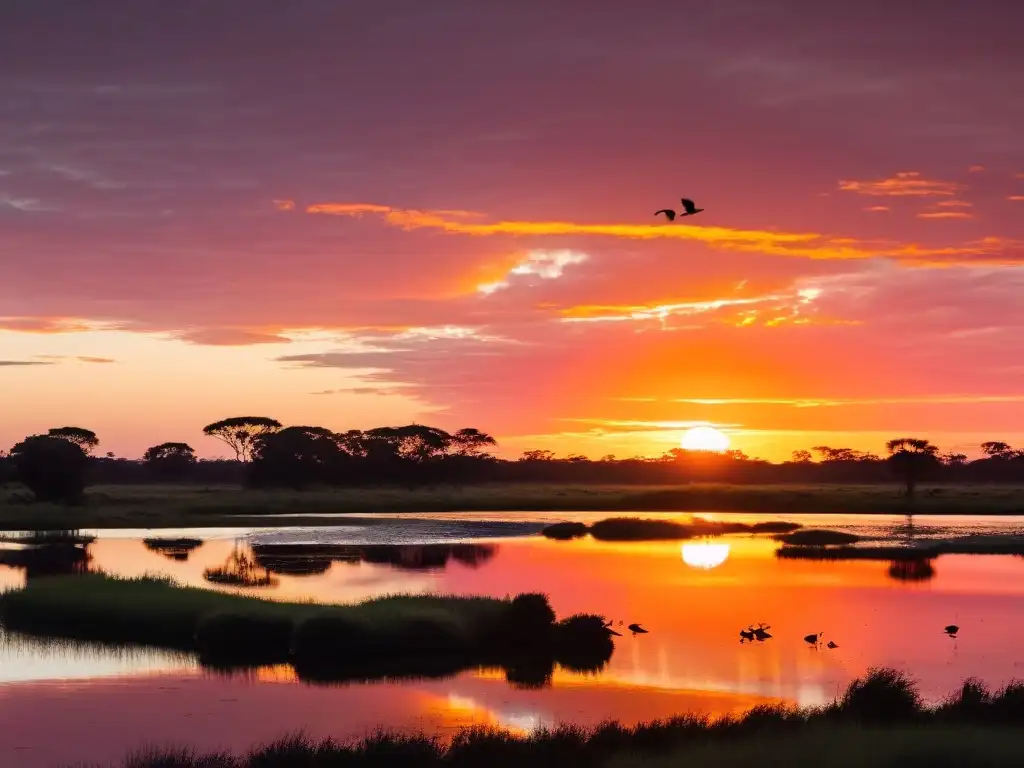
<point>396,636</point>
<point>646,529</point>
<point>879,720</point>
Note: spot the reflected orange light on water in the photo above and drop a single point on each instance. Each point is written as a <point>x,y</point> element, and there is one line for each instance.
<point>692,596</point>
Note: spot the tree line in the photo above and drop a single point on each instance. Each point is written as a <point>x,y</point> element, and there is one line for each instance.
<point>59,464</point>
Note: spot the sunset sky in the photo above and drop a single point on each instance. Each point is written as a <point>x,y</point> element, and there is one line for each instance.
<point>384,211</point>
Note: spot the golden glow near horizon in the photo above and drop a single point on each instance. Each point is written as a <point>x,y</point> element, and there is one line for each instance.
<point>705,439</point>
<point>705,554</point>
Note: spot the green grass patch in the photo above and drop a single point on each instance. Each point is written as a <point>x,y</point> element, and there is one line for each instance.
<point>396,635</point>
<point>156,506</point>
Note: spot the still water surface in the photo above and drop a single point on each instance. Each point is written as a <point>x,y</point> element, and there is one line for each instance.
<point>62,703</point>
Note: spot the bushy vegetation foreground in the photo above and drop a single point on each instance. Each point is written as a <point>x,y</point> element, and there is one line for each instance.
<point>402,635</point>
<point>880,721</point>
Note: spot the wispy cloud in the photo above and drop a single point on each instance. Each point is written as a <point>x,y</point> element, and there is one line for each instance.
<point>90,359</point>
<point>9,363</point>
<point>903,184</point>
<point>48,325</point>
<point>975,169</point>
<point>877,208</point>
<point>954,204</point>
<point>1017,198</point>
<point>809,245</point>
<point>838,402</point>
<point>284,205</point>
<point>545,265</point>
<point>944,215</point>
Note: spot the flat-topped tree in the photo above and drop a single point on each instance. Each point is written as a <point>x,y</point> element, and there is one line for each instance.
<point>911,458</point>
<point>84,438</point>
<point>472,442</point>
<point>170,460</point>
<point>242,433</point>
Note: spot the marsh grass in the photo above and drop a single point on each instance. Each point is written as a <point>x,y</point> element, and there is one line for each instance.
<point>878,721</point>
<point>152,506</point>
<point>400,635</point>
<point>813,537</point>
<point>650,529</point>
<point>994,544</point>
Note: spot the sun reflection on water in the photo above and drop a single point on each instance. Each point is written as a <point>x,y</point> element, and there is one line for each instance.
<point>705,554</point>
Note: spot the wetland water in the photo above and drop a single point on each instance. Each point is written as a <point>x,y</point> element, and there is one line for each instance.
<point>61,703</point>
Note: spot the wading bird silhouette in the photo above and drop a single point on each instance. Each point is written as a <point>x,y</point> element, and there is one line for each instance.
<point>951,630</point>
<point>636,629</point>
<point>831,645</point>
<point>813,639</point>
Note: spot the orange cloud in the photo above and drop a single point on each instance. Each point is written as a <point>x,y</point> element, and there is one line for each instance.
<point>877,208</point>
<point>51,325</point>
<point>944,215</point>
<point>809,245</point>
<point>1018,198</point>
<point>954,204</point>
<point>903,184</point>
<point>284,205</point>
<point>975,169</point>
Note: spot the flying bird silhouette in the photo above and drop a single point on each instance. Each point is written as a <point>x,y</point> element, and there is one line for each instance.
<point>669,213</point>
<point>689,207</point>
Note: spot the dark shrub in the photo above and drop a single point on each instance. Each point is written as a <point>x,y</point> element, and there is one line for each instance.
<point>328,638</point>
<point>52,468</point>
<point>970,703</point>
<point>227,639</point>
<point>883,696</point>
<point>428,636</point>
<point>818,538</point>
<point>639,529</point>
<point>582,643</point>
<point>565,531</point>
<point>1008,705</point>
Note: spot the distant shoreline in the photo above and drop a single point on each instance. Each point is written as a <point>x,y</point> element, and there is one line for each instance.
<point>191,506</point>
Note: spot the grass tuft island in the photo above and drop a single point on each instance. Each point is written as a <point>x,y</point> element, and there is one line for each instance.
<point>389,636</point>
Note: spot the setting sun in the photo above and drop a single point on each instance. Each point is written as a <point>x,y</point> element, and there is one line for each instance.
<point>705,439</point>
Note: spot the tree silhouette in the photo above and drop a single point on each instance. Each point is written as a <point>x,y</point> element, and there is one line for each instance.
<point>53,468</point>
<point>952,459</point>
<point>801,457</point>
<point>84,438</point>
<point>242,433</point>
<point>170,460</point>
<point>296,457</point>
<point>911,458</point>
<point>472,442</point>
<point>996,449</point>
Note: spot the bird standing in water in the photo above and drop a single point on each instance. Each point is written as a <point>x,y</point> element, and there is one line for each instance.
<point>951,630</point>
<point>636,629</point>
<point>831,645</point>
<point>813,639</point>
